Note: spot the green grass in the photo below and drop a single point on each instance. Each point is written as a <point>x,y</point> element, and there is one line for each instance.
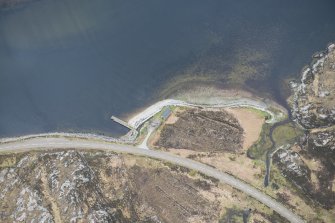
<point>260,113</point>
<point>263,144</point>
<point>193,173</point>
<point>286,134</point>
<point>282,134</point>
<point>8,161</point>
<point>143,131</point>
<point>279,112</point>
<point>277,177</point>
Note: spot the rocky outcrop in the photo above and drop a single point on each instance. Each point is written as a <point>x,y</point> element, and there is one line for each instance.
<point>52,187</point>
<point>292,163</point>
<point>311,168</point>
<point>320,147</point>
<point>313,102</point>
<point>74,186</point>
<point>313,108</point>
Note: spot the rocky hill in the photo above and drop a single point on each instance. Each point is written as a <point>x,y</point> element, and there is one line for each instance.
<point>77,186</point>
<point>72,186</point>
<point>314,97</point>
<point>310,163</point>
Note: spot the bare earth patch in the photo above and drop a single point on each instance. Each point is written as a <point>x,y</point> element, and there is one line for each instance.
<point>172,119</point>
<point>251,122</point>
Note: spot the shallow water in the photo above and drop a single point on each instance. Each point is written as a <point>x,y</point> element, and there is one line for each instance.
<point>68,65</point>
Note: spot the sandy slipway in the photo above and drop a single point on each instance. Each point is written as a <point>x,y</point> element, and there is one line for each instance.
<point>42,143</point>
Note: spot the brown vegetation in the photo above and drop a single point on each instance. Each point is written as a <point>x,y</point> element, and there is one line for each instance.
<point>203,130</point>
<point>69,185</point>
<point>251,122</point>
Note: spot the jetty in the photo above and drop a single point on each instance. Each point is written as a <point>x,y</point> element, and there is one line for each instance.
<point>121,122</point>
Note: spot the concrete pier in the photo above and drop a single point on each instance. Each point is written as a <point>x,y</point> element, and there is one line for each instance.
<point>121,122</point>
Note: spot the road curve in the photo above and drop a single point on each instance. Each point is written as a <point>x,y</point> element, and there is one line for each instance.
<point>67,143</point>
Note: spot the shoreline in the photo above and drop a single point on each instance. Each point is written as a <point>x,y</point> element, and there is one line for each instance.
<point>298,87</point>
<point>89,136</point>
<point>137,120</point>
<point>277,115</point>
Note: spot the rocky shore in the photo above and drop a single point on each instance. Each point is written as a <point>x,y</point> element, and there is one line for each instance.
<point>313,102</point>
<point>310,163</point>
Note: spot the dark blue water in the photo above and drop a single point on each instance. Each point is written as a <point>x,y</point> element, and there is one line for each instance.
<point>68,65</point>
